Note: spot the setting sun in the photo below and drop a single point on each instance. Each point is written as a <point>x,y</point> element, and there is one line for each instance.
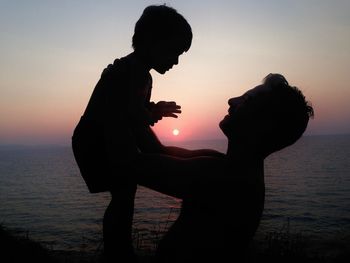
<point>176,132</point>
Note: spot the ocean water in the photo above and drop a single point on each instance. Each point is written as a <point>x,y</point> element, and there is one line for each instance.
<point>42,193</point>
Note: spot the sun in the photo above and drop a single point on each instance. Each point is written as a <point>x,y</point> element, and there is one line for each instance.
<point>176,132</point>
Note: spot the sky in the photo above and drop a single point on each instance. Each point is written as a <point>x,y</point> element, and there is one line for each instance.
<point>53,52</point>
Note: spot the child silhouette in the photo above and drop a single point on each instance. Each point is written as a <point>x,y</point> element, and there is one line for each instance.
<point>116,124</point>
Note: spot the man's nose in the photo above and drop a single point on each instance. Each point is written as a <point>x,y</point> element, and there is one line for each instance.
<point>235,101</point>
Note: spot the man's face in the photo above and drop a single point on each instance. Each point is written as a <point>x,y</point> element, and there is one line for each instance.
<point>244,114</point>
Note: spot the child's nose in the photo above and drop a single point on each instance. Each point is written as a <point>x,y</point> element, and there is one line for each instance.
<point>231,101</point>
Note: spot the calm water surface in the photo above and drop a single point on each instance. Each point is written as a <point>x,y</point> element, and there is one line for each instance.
<point>41,191</point>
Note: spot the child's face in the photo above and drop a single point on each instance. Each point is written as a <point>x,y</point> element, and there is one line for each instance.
<point>164,57</point>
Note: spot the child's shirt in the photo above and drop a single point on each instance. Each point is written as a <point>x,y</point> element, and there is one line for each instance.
<point>115,121</point>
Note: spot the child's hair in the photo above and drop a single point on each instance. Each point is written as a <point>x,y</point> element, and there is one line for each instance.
<point>160,23</point>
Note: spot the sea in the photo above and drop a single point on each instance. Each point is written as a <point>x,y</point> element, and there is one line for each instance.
<point>43,196</point>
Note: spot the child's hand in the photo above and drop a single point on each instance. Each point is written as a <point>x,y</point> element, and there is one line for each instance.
<point>165,109</point>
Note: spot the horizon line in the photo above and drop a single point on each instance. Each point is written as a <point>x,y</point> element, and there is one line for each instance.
<point>167,140</point>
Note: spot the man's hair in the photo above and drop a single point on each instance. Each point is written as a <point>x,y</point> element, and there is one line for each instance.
<point>288,109</point>
<point>158,23</point>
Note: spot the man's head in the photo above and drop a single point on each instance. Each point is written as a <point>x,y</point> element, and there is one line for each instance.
<point>268,117</point>
<point>161,35</point>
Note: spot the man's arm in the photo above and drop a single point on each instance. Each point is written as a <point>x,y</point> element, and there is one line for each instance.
<point>177,176</point>
<point>149,143</point>
<point>186,153</point>
<point>170,109</point>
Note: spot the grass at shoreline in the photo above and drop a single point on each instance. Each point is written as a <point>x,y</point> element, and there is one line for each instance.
<point>276,247</point>
<point>21,249</point>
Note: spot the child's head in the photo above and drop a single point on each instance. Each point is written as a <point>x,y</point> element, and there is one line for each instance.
<point>161,35</point>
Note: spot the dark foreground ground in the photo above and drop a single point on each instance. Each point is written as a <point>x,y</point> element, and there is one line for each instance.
<point>275,248</point>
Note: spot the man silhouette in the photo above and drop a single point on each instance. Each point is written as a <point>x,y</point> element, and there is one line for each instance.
<point>223,197</point>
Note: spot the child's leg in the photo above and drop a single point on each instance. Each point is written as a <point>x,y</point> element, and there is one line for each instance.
<point>117,225</point>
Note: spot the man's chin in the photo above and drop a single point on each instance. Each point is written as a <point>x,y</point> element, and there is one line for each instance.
<point>226,125</point>
<point>222,125</point>
<point>224,121</point>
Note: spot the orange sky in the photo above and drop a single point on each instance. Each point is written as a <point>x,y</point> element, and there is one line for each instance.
<point>53,53</point>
